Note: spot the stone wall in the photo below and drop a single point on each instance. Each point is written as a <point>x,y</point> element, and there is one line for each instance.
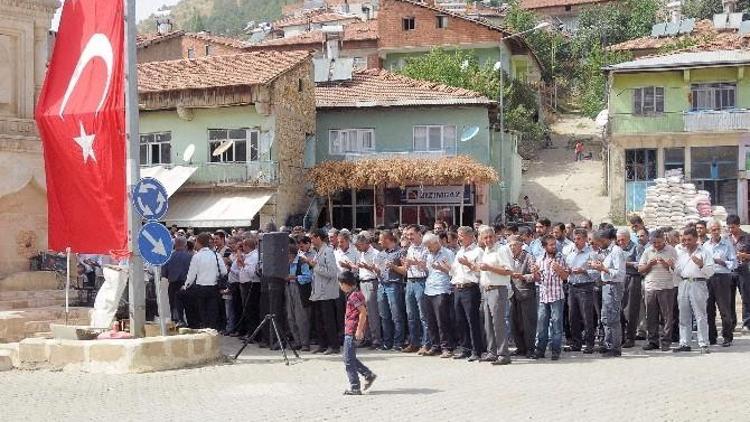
<point>24,27</point>
<point>293,107</point>
<point>177,48</point>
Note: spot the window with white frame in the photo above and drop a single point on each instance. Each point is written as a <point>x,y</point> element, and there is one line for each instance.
<point>434,138</point>
<point>648,100</point>
<point>156,148</point>
<point>716,96</point>
<point>348,141</point>
<point>244,145</point>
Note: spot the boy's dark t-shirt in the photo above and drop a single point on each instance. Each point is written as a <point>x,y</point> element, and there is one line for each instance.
<point>351,318</point>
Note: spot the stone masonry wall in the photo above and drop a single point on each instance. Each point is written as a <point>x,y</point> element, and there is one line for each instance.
<point>295,120</point>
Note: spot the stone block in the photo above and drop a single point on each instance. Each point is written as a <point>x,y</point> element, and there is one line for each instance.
<point>29,280</point>
<point>12,351</point>
<point>199,345</point>
<point>148,354</point>
<point>106,352</point>
<point>33,351</point>
<point>66,353</point>
<point>6,362</point>
<point>214,348</point>
<point>179,347</point>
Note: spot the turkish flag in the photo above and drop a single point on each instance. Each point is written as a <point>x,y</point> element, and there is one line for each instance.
<point>81,120</point>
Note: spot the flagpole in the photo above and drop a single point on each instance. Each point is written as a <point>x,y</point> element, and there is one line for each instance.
<point>136,284</point>
<point>67,284</point>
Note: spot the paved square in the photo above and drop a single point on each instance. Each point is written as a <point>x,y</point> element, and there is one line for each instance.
<point>640,386</point>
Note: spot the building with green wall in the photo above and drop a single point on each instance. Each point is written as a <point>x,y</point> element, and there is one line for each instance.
<point>689,111</point>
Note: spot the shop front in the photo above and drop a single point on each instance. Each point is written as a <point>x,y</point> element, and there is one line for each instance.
<point>373,193</point>
<point>394,206</point>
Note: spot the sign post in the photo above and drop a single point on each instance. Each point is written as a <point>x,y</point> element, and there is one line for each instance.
<point>136,284</point>
<point>156,244</point>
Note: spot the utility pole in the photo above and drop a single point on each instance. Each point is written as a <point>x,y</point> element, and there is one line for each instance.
<point>136,284</point>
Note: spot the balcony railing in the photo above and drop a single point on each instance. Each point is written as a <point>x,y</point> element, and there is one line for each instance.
<point>261,173</point>
<point>717,121</point>
<point>395,154</point>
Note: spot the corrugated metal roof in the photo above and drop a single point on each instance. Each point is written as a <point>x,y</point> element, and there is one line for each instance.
<point>685,60</point>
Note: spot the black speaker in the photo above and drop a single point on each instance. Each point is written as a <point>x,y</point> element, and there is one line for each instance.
<point>274,250</point>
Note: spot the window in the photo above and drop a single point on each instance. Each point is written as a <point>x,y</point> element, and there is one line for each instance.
<point>156,148</point>
<point>441,21</point>
<point>648,101</point>
<point>640,165</point>
<point>209,49</point>
<point>434,138</point>
<point>347,141</point>
<point>360,63</point>
<point>191,53</point>
<point>718,96</point>
<point>409,24</point>
<point>674,158</point>
<point>713,163</point>
<point>568,8</point>
<point>300,85</point>
<point>238,152</point>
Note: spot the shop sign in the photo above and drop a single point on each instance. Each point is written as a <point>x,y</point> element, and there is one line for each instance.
<point>435,195</point>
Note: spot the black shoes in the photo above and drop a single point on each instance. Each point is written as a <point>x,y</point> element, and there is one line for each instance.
<point>463,355</point>
<point>682,349</point>
<point>649,346</point>
<point>473,358</point>
<point>628,344</point>
<point>352,392</point>
<point>726,343</point>
<point>611,354</point>
<point>588,350</point>
<point>505,360</point>
<point>369,380</point>
<point>555,356</point>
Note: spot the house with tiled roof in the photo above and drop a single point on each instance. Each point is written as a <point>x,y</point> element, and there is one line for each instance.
<point>409,28</point>
<point>312,20</point>
<point>562,12</point>
<point>688,110</point>
<point>378,114</point>
<point>179,44</point>
<point>357,40</point>
<point>704,36</point>
<point>227,136</point>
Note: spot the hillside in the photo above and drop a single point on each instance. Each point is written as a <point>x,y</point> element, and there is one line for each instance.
<point>225,17</point>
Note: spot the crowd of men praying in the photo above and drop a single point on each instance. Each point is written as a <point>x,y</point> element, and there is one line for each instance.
<point>482,293</point>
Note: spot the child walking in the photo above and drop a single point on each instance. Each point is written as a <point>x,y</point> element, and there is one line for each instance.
<point>355,322</point>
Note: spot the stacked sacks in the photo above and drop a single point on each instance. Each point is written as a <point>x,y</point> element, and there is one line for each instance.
<point>671,202</point>
<point>720,214</point>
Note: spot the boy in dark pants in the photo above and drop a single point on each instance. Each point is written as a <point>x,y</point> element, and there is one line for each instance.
<point>355,321</point>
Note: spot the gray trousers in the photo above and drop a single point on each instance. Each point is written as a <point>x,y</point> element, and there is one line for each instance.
<point>692,299</point>
<point>493,308</point>
<point>720,295</point>
<point>370,291</point>
<point>297,316</point>
<point>611,310</point>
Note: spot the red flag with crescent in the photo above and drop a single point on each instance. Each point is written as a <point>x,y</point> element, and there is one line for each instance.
<point>81,120</point>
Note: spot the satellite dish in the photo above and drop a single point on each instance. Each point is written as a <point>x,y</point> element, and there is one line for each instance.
<point>498,66</point>
<point>221,149</point>
<point>469,133</point>
<point>188,154</point>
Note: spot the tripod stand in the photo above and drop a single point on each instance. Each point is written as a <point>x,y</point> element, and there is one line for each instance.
<point>266,319</point>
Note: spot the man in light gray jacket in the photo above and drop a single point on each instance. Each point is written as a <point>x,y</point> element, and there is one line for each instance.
<point>325,291</point>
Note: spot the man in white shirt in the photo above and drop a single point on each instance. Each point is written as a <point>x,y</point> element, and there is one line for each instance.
<point>467,296</point>
<point>367,266</point>
<point>695,266</point>
<point>416,276</point>
<point>205,268</point>
<point>496,266</point>
<point>249,285</point>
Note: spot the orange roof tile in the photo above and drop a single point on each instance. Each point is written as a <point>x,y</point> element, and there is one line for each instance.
<point>705,37</point>
<point>541,4</point>
<point>150,39</point>
<point>357,31</point>
<point>314,16</point>
<point>146,40</point>
<point>247,69</point>
<point>380,88</point>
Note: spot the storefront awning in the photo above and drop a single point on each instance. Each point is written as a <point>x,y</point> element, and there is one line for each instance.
<point>171,177</point>
<point>216,209</point>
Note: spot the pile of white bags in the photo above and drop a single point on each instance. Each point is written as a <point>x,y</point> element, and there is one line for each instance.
<point>671,202</point>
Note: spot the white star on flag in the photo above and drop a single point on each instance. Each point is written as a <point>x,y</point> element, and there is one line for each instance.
<point>86,142</point>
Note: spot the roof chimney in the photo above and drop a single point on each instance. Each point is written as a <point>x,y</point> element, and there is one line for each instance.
<point>163,25</point>
<point>675,11</point>
<point>730,6</point>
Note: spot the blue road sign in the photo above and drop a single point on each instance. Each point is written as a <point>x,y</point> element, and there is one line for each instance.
<point>150,199</point>
<point>155,243</point>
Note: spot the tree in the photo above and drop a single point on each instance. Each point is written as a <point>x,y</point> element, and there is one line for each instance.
<point>701,9</point>
<point>462,69</point>
<point>195,23</point>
